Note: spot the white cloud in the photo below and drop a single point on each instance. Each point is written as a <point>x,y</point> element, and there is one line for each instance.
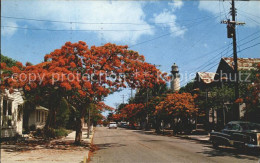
<point>168,18</point>
<point>176,4</point>
<point>5,31</point>
<point>84,11</point>
<point>246,11</point>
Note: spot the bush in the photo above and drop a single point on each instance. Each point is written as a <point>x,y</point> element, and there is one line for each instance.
<point>55,133</point>
<point>61,132</point>
<point>49,133</point>
<point>38,132</point>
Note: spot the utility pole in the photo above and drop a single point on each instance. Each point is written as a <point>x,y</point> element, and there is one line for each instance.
<point>88,122</point>
<point>123,96</point>
<point>231,33</point>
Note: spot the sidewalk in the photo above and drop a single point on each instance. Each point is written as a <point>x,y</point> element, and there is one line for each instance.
<point>200,138</point>
<point>59,150</point>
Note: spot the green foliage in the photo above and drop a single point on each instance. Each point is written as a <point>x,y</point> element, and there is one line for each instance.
<point>51,133</point>
<point>249,92</point>
<point>187,88</point>
<point>218,96</point>
<point>144,93</point>
<point>9,61</point>
<point>61,132</point>
<point>63,113</point>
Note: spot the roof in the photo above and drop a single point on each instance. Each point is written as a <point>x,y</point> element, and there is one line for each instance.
<point>207,77</point>
<point>243,63</point>
<point>41,108</point>
<point>15,96</point>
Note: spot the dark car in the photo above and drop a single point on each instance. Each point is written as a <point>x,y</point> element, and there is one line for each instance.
<point>238,134</point>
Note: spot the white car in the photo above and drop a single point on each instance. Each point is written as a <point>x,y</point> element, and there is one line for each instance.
<point>112,125</point>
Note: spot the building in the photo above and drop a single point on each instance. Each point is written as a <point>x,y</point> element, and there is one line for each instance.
<point>225,70</point>
<point>11,113</point>
<point>204,80</point>
<point>38,117</point>
<point>175,82</point>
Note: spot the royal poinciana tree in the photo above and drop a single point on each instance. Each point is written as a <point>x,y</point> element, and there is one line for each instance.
<point>83,76</point>
<point>133,112</point>
<point>180,107</point>
<point>250,96</point>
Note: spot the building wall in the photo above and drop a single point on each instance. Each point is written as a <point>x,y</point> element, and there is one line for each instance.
<point>175,84</point>
<point>38,118</point>
<point>12,121</point>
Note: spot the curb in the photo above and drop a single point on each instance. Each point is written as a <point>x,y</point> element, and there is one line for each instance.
<point>86,157</point>
<point>198,140</point>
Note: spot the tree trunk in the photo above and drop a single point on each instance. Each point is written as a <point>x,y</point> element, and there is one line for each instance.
<point>54,102</point>
<point>157,125</point>
<point>79,126</point>
<point>173,126</point>
<point>51,119</point>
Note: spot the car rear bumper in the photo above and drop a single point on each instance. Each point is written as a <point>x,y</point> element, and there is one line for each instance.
<point>252,146</point>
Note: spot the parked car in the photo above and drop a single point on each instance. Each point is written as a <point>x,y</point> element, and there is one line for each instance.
<point>112,125</point>
<point>122,124</point>
<point>238,134</point>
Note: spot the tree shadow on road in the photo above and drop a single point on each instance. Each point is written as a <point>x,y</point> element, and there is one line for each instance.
<point>23,146</point>
<point>108,145</point>
<point>229,151</point>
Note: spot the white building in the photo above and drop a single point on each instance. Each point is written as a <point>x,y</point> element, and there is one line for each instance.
<point>175,81</point>
<point>11,113</point>
<point>38,117</point>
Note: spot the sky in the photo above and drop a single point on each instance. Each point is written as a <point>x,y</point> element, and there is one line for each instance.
<point>188,33</point>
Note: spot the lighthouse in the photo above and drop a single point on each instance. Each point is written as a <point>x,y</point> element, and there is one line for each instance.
<point>175,82</point>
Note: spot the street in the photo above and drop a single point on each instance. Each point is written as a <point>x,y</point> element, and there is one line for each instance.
<point>122,145</point>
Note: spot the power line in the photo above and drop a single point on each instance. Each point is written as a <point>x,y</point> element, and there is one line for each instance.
<point>250,19</point>
<point>249,41</point>
<point>167,34</point>
<point>188,48</point>
<point>109,30</point>
<point>101,23</point>
<point>201,67</point>
<point>249,13</point>
<point>70,29</point>
<point>249,47</point>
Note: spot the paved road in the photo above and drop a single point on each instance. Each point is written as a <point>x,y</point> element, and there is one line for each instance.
<point>121,145</point>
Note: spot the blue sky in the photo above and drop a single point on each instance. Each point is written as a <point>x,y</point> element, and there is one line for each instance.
<point>186,32</point>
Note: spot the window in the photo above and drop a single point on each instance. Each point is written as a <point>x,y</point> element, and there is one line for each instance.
<point>228,127</point>
<point>9,107</point>
<point>7,112</point>
<point>4,107</point>
<point>38,116</point>
<point>235,127</point>
<point>43,117</point>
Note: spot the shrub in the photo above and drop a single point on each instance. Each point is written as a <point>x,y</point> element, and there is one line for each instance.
<point>38,132</point>
<point>55,133</point>
<point>49,133</point>
<point>61,132</point>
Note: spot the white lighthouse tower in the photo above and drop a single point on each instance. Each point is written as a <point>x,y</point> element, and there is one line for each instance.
<point>175,81</point>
